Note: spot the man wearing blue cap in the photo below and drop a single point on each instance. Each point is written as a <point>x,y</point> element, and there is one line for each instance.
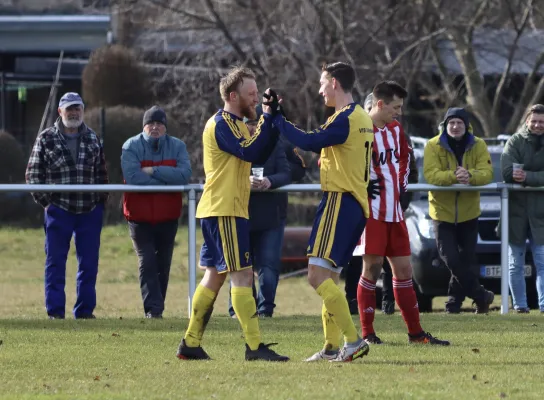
<point>69,152</point>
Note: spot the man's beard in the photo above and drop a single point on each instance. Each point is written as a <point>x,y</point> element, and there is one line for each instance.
<point>72,123</point>
<point>248,111</point>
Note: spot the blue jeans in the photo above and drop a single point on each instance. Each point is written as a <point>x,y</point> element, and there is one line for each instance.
<point>516,260</point>
<point>59,226</point>
<point>266,248</point>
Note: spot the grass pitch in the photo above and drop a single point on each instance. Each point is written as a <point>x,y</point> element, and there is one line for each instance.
<point>123,356</point>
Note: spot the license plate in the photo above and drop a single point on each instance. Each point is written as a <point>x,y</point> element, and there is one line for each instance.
<point>494,271</point>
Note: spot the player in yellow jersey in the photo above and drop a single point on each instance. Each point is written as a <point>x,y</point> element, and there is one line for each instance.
<point>229,150</point>
<point>345,143</point>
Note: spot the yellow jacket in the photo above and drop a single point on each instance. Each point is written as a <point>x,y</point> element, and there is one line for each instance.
<point>439,165</point>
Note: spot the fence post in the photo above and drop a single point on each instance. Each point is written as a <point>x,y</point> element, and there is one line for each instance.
<point>504,249</point>
<point>192,248</point>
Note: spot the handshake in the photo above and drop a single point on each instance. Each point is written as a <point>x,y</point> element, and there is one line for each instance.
<point>272,103</point>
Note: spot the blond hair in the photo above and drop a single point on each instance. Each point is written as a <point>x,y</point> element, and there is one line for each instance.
<point>233,80</point>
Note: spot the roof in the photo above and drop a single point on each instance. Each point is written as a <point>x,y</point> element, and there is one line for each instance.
<point>492,47</point>
<point>38,34</point>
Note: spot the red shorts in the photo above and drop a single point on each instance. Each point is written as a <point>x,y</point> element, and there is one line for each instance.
<point>387,239</point>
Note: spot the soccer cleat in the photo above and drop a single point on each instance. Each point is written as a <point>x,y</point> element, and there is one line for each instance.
<point>191,353</point>
<point>483,307</point>
<point>264,353</point>
<point>323,355</point>
<point>372,339</point>
<point>353,351</point>
<point>426,338</point>
<point>55,316</point>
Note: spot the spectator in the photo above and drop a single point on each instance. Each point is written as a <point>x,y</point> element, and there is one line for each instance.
<point>355,267</point>
<point>523,162</point>
<point>70,153</point>
<point>455,155</point>
<point>267,218</point>
<point>154,158</point>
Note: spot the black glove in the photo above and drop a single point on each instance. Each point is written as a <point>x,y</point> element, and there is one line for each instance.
<point>273,102</point>
<point>374,188</point>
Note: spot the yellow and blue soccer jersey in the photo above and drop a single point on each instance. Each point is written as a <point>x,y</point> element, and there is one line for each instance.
<point>229,151</point>
<point>345,142</point>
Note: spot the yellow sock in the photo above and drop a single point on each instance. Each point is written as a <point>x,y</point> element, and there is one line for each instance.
<point>337,307</point>
<point>202,308</point>
<point>331,331</point>
<point>246,311</point>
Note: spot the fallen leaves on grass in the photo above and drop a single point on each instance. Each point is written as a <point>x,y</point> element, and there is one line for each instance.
<point>96,378</point>
<point>115,334</point>
<point>476,351</point>
<point>474,377</point>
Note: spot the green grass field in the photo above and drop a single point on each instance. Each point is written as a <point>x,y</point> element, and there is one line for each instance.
<point>123,356</point>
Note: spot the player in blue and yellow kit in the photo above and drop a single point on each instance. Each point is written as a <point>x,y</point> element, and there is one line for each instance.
<point>229,150</point>
<point>345,143</point>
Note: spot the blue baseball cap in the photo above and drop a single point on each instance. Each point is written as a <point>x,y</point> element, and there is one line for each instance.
<point>70,99</point>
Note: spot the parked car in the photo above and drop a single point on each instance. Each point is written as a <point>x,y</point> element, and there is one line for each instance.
<point>430,275</point>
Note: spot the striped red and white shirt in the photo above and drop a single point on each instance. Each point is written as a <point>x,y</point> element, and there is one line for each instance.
<point>390,163</point>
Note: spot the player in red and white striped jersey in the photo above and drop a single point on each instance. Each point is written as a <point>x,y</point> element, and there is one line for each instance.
<point>386,234</point>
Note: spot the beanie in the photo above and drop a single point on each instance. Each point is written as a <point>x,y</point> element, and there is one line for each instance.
<point>154,114</point>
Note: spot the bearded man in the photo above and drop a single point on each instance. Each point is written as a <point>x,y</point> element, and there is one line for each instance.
<point>69,152</point>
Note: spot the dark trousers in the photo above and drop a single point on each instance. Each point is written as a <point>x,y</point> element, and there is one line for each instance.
<point>154,245</point>
<point>456,245</point>
<point>60,226</point>
<point>266,252</point>
<point>353,272</point>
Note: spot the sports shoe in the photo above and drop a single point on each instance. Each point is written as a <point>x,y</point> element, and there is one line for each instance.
<point>55,316</point>
<point>372,339</point>
<point>191,353</point>
<point>523,310</point>
<point>153,316</point>
<point>264,353</point>
<point>426,338</point>
<point>86,316</point>
<point>323,355</point>
<point>483,306</point>
<point>353,351</point>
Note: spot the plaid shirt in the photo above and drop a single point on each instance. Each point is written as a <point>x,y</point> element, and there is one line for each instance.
<point>52,163</point>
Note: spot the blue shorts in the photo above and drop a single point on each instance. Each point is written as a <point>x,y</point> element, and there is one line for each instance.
<point>338,226</point>
<point>226,244</point>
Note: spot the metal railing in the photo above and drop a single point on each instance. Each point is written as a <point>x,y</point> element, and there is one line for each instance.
<point>503,188</point>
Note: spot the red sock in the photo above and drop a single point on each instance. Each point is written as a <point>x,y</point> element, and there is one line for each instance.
<point>366,300</point>
<point>407,301</point>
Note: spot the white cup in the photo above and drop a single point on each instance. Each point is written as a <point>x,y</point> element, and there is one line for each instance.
<point>258,173</point>
<point>517,167</point>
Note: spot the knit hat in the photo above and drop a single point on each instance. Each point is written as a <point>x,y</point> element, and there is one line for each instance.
<point>457,113</point>
<point>154,114</point>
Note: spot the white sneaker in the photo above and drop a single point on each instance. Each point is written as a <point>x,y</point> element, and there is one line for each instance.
<point>322,355</point>
<point>352,351</point>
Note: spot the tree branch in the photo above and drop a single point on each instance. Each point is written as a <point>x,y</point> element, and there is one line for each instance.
<point>512,51</point>
<point>180,11</point>
<point>527,95</point>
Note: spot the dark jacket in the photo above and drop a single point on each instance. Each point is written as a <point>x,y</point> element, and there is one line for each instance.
<point>406,198</point>
<point>526,209</point>
<point>266,208</point>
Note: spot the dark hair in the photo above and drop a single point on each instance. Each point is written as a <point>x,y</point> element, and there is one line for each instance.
<point>343,73</point>
<point>536,109</point>
<point>387,90</point>
<point>233,80</point>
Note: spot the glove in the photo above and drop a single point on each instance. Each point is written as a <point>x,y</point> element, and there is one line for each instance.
<point>273,102</point>
<point>374,188</point>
